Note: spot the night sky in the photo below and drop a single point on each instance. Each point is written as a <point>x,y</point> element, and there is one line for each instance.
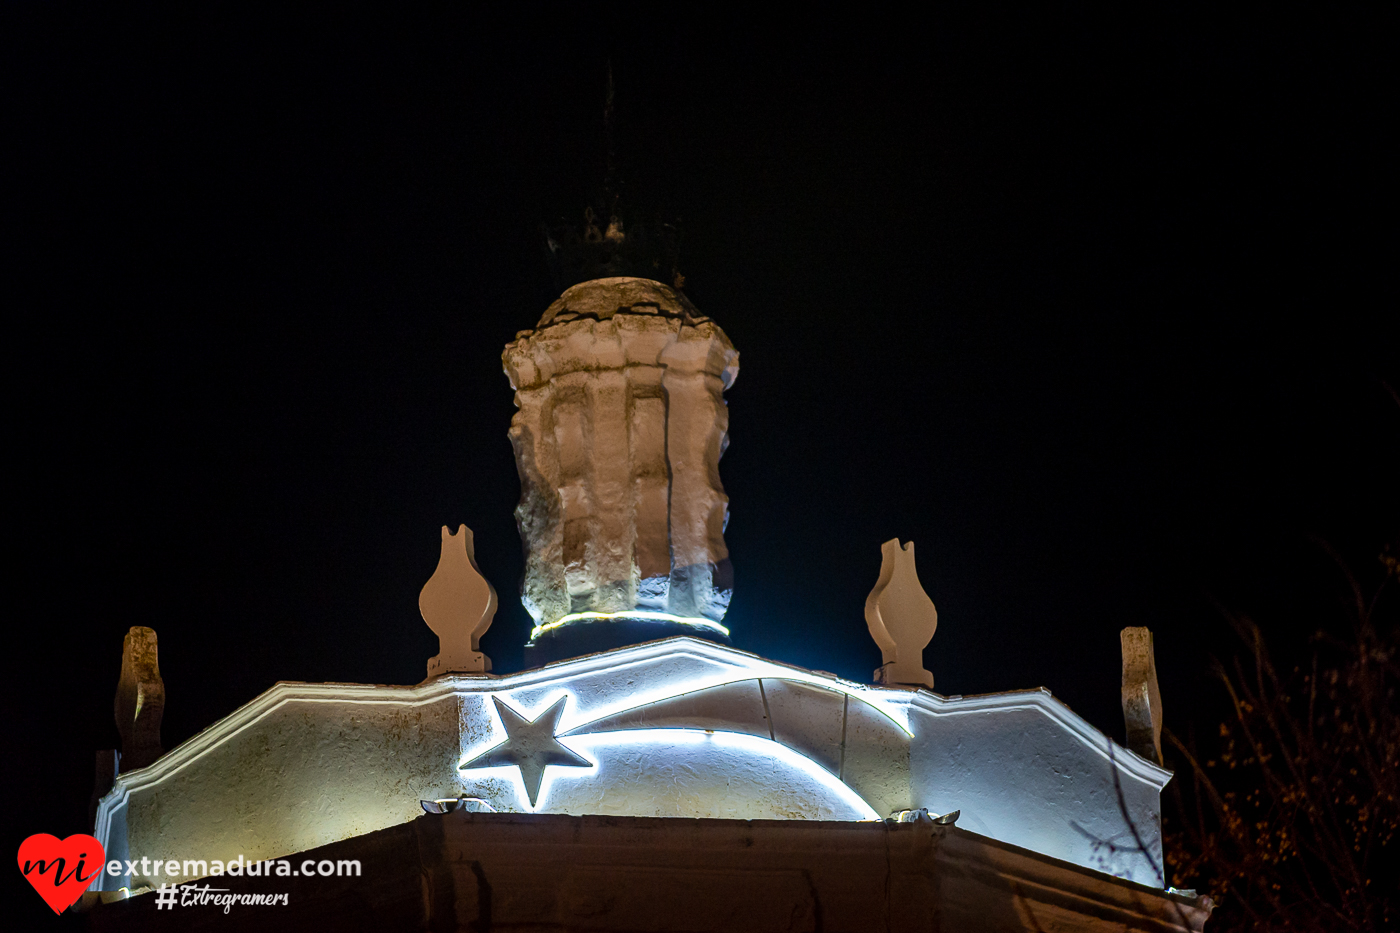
<point>1100,312</point>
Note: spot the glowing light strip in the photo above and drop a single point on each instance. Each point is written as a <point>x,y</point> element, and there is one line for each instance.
<point>822,776</point>
<point>589,745</point>
<point>631,614</point>
<point>584,710</point>
<point>725,666</point>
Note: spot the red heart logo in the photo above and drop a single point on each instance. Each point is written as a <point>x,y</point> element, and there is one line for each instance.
<point>60,870</point>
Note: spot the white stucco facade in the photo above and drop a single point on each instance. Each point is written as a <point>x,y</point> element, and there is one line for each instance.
<point>677,728</point>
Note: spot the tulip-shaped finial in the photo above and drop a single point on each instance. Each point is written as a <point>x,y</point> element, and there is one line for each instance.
<point>458,605</point>
<point>901,618</point>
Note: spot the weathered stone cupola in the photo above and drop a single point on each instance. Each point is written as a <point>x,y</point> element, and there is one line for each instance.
<point>620,428</point>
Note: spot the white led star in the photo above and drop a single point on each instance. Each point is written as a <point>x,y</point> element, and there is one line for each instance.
<point>530,745</point>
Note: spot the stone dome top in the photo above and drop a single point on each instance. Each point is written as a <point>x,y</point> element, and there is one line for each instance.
<point>600,299</point>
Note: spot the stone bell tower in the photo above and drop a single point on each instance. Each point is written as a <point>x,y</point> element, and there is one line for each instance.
<point>620,428</point>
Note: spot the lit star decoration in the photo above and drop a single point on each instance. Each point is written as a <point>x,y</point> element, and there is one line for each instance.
<point>530,745</point>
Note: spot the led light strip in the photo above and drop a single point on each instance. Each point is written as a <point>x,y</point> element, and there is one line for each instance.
<point>633,614</point>
<point>590,746</point>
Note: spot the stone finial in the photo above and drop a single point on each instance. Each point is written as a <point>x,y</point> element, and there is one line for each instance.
<point>1142,701</point>
<point>140,700</point>
<point>901,617</point>
<point>458,605</point>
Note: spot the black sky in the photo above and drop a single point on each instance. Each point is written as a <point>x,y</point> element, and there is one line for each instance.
<point>1097,310</point>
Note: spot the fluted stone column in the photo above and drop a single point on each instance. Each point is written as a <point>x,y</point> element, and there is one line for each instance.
<point>618,436</point>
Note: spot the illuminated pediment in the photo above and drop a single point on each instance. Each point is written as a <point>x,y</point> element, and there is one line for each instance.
<point>678,728</point>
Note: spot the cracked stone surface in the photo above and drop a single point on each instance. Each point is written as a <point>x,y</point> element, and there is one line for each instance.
<point>620,428</point>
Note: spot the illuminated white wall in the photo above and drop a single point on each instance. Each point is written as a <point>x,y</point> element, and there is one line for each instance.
<point>683,728</point>
<point>1025,769</point>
